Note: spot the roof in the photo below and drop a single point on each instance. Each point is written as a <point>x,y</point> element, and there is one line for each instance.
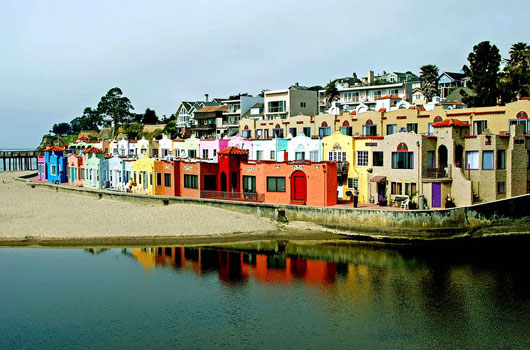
<point>152,128</point>
<point>451,122</point>
<point>233,151</point>
<point>93,150</point>
<point>206,109</point>
<point>380,179</point>
<point>393,97</point>
<point>453,75</point>
<point>456,96</point>
<point>53,149</point>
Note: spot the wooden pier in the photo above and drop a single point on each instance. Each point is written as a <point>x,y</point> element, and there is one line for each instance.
<point>18,160</point>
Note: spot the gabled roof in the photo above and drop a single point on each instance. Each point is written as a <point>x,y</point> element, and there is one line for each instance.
<point>93,150</point>
<point>453,75</point>
<point>233,151</point>
<point>451,122</point>
<point>207,109</point>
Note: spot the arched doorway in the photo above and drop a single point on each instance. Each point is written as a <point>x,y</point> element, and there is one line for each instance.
<point>442,157</point>
<point>234,180</point>
<point>459,154</point>
<point>223,182</point>
<point>298,187</point>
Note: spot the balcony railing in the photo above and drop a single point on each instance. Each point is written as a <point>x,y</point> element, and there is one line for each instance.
<point>234,196</point>
<point>437,173</point>
<point>342,168</point>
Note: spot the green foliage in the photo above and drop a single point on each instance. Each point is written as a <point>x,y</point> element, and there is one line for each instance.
<point>133,130</point>
<point>116,106</point>
<point>171,129</point>
<point>90,120</point>
<point>332,93</point>
<point>483,71</point>
<point>155,135</point>
<point>515,77</point>
<point>61,129</point>
<point>315,88</point>
<point>429,81</point>
<point>149,117</point>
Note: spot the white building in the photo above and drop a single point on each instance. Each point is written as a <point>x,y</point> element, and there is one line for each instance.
<point>302,147</point>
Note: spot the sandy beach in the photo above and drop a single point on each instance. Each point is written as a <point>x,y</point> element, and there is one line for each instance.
<point>36,213</point>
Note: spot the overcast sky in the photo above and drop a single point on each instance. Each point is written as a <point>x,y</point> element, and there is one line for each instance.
<point>57,57</point>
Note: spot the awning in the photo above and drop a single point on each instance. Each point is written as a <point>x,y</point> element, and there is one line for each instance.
<point>380,179</point>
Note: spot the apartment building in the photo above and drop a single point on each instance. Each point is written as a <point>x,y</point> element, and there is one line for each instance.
<point>238,107</point>
<point>290,102</point>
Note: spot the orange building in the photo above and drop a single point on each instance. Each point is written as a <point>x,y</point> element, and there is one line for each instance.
<point>289,182</point>
<point>167,179</point>
<point>195,177</point>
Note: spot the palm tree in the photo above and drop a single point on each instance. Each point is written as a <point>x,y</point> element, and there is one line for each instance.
<point>515,78</point>
<point>429,81</point>
<point>332,93</point>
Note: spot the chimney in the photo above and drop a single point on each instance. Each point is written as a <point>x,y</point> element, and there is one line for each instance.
<point>206,97</point>
<point>296,84</point>
<point>370,77</point>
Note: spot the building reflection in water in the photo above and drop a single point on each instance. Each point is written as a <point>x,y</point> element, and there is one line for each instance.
<point>236,267</point>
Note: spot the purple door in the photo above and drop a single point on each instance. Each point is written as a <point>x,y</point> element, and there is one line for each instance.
<point>436,195</point>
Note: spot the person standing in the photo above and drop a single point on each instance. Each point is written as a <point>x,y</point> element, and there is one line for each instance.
<point>355,197</point>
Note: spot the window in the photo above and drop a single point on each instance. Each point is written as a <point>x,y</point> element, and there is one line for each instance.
<point>393,188</point>
<point>167,180</point>
<point>307,132</point>
<point>479,126</point>
<point>523,122</point>
<point>275,184</point>
<point>324,131</point>
<point>259,133</point>
<point>299,155</point>
<point>369,130</point>
<point>159,179</point>
<point>292,131</point>
<point>259,155</point>
<point>346,130</point>
<point>472,160</point>
<point>501,187</point>
<point>150,179</point>
<point>191,181</point>
<point>82,173</point>
<point>391,129</point>
<point>362,158</point>
<point>412,127</point>
<point>266,133</point>
<point>278,133</point>
<point>377,158</point>
<point>303,105</point>
<point>205,153</point>
<point>337,156</point>
<point>353,182</point>
<point>431,129</point>
<point>249,184</point>
<point>276,106</point>
<point>431,160</point>
<point>487,160</point>
<point>53,170</point>
<point>214,152</point>
<point>528,159</point>
<point>402,160</point>
<point>313,156</point>
<point>273,155</point>
<point>246,134</point>
<point>192,153</point>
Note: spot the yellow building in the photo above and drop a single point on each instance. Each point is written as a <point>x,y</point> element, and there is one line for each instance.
<point>143,172</point>
<point>339,147</point>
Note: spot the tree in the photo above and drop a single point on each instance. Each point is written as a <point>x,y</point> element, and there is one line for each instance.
<point>149,117</point>
<point>171,129</point>
<point>115,106</point>
<point>133,130</point>
<point>60,129</point>
<point>332,93</point>
<point>429,81</point>
<point>515,77</point>
<point>483,72</point>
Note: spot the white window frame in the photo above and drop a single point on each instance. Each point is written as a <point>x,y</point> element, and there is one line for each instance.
<point>362,159</point>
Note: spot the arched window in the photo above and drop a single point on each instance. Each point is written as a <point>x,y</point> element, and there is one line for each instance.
<point>522,115</point>
<point>369,122</point>
<point>402,147</point>
<point>277,126</point>
<point>346,128</point>
<point>324,125</point>
<point>345,124</point>
<point>246,127</point>
<point>324,130</point>
<point>438,119</point>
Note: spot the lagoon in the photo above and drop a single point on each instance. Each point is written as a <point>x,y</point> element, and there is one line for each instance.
<point>267,295</point>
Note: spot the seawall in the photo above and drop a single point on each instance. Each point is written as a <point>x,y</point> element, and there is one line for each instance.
<point>503,217</point>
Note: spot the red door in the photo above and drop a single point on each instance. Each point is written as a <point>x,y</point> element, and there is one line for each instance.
<point>298,187</point>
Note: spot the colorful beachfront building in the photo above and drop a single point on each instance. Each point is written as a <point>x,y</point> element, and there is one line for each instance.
<point>208,148</point>
<point>240,142</point>
<point>167,178</point>
<point>339,148</point>
<point>143,171</point>
<point>127,148</point>
<point>269,149</point>
<point>42,169</point>
<point>76,170</point>
<point>96,168</point>
<point>148,147</point>
<point>165,146</point>
<point>302,147</point>
<point>187,148</point>
<point>117,172</point>
<point>198,179</point>
<point>56,164</point>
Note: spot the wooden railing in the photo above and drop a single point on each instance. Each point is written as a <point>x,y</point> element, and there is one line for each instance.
<point>437,173</point>
<point>234,196</point>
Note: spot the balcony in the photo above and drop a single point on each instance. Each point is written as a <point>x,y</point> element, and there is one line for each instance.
<point>342,168</point>
<point>441,174</point>
<point>234,196</point>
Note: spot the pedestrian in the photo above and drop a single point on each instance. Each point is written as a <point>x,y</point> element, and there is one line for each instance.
<point>355,197</point>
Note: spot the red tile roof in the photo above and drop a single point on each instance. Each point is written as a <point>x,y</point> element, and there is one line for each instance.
<point>353,112</point>
<point>525,98</point>
<point>393,97</point>
<point>368,137</point>
<point>93,150</point>
<point>421,108</point>
<point>382,110</point>
<point>53,149</point>
<point>412,107</point>
<point>451,122</point>
<point>233,150</point>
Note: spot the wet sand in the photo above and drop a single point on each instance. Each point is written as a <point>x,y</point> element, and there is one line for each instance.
<point>36,216</point>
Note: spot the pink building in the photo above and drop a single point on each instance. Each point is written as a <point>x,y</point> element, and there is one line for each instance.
<point>76,170</point>
<point>208,148</point>
<point>41,166</point>
<point>242,143</point>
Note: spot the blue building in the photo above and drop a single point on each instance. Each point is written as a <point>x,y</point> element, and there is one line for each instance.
<point>56,164</point>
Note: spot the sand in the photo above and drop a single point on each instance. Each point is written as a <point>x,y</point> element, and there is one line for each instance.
<point>33,213</point>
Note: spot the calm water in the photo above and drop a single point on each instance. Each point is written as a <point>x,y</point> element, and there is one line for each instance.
<point>304,297</point>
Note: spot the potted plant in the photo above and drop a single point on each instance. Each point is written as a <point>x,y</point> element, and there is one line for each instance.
<point>384,201</point>
<point>412,203</point>
<point>449,201</point>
